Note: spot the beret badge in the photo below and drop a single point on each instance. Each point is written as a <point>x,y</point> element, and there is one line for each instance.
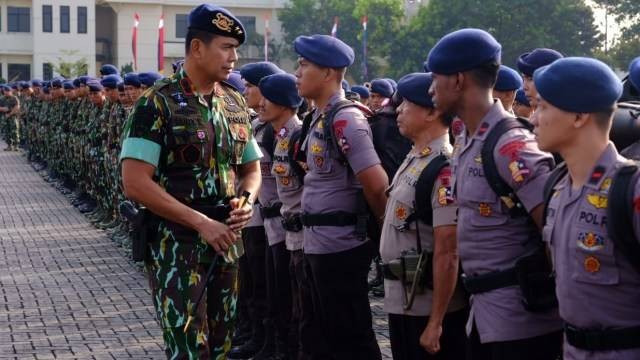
<point>223,22</point>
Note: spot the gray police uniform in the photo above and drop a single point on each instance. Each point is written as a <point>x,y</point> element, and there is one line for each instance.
<point>597,287</point>
<point>488,238</point>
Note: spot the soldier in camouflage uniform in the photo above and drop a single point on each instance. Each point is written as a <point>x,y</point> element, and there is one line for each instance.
<point>186,140</point>
<point>11,110</point>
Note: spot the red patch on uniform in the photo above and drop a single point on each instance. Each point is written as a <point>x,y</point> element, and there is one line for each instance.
<point>483,128</point>
<point>319,161</point>
<point>445,177</point>
<point>512,149</point>
<point>636,204</point>
<point>338,127</point>
<point>597,174</point>
<point>185,83</point>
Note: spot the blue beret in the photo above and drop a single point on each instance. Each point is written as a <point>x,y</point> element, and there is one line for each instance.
<point>177,65</point>
<point>84,79</point>
<point>415,88</point>
<point>463,50</point>
<point>94,85</point>
<point>77,82</point>
<point>216,20</point>
<point>529,62</point>
<point>24,85</point>
<point>121,86</point>
<point>281,89</point>
<point>132,79</point>
<point>36,83</point>
<point>565,86</point>
<point>634,73</point>
<point>111,81</point>
<point>324,50</point>
<point>254,72</point>
<point>393,83</point>
<point>14,86</point>
<point>149,78</point>
<point>57,82</point>
<point>108,69</point>
<point>68,85</point>
<point>361,90</point>
<point>382,87</point>
<point>522,98</point>
<point>508,79</point>
<point>235,80</point>
<point>46,89</point>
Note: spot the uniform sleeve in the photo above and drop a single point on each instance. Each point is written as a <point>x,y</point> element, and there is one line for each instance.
<point>251,151</point>
<point>523,166</point>
<point>442,200</point>
<point>353,137</point>
<point>143,136</point>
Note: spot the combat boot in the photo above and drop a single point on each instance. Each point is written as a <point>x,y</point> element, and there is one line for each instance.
<point>269,348</point>
<point>249,349</point>
<point>243,332</point>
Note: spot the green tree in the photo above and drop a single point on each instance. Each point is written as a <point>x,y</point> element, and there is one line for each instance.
<point>126,68</point>
<point>519,25</point>
<point>71,69</point>
<point>627,14</point>
<point>307,17</point>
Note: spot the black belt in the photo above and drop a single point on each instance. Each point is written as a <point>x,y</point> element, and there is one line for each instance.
<point>292,223</point>
<point>491,281</point>
<point>387,274</point>
<point>273,211</point>
<point>603,340</point>
<point>336,218</point>
<point>216,212</point>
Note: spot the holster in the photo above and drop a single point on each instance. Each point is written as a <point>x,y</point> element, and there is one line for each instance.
<point>537,282</point>
<point>292,223</point>
<point>144,224</point>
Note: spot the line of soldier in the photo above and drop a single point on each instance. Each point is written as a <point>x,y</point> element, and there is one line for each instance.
<point>70,130</point>
<point>488,248</point>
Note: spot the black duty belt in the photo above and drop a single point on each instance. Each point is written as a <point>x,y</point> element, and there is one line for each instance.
<point>387,274</point>
<point>218,212</point>
<point>292,223</point>
<point>273,211</point>
<point>490,281</point>
<point>337,218</point>
<point>603,340</point>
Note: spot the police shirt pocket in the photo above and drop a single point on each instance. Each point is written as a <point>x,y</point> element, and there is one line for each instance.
<point>594,257</point>
<point>402,208</point>
<point>287,180</point>
<point>478,195</point>
<point>321,163</point>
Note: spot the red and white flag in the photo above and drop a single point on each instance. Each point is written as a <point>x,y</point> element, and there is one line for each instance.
<point>161,44</point>
<point>334,29</point>
<point>266,38</point>
<point>134,41</point>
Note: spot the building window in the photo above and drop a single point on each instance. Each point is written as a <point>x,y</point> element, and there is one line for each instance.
<point>47,18</point>
<point>64,19</point>
<point>19,19</point>
<point>19,72</point>
<point>249,23</point>
<point>47,71</point>
<point>82,19</point>
<point>181,26</point>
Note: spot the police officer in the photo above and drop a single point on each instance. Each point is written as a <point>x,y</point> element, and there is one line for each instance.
<point>363,92</point>
<point>260,307</point>
<point>597,284</point>
<point>633,151</point>
<point>109,69</point>
<point>11,111</point>
<point>521,106</point>
<point>147,79</point>
<point>508,83</point>
<point>494,232</point>
<point>381,92</point>
<point>132,87</point>
<point>198,140</point>
<point>279,106</point>
<point>433,321</point>
<point>528,63</point>
<point>344,176</point>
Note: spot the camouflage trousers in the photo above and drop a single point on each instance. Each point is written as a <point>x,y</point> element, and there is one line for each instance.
<point>12,131</point>
<point>176,281</point>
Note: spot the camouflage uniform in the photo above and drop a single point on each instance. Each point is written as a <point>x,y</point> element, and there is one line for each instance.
<point>12,122</point>
<point>194,147</point>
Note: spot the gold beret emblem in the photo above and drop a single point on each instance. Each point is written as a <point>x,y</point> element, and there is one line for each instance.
<point>222,22</point>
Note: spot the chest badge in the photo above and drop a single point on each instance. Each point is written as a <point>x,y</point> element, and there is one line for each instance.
<point>201,134</point>
<point>319,161</point>
<point>283,132</point>
<point>316,149</point>
<point>279,169</point>
<point>484,209</point>
<point>426,151</point>
<point>598,201</point>
<point>590,241</point>
<point>401,213</point>
<point>592,264</point>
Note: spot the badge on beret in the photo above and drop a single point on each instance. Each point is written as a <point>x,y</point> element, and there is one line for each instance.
<point>597,201</point>
<point>590,241</point>
<point>484,209</point>
<point>592,264</point>
<point>401,213</point>
<point>222,22</point>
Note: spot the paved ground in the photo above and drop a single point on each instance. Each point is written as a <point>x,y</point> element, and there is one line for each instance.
<point>66,291</point>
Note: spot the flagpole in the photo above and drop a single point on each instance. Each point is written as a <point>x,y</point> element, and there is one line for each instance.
<point>134,40</point>
<point>334,29</point>
<point>161,44</point>
<point>266,38</point>
<point>365,19</point>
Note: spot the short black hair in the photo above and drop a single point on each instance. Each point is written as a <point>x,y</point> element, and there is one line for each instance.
<point>486,74</point>
<point>604,118</point>
<point>204,36</point>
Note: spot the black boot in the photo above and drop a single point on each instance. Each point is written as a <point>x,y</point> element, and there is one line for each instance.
<point>269,348</point>
<point>249,349</point>
<point>243,332</point>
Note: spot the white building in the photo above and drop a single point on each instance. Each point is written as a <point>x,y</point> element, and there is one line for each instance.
<point>36,34</point>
